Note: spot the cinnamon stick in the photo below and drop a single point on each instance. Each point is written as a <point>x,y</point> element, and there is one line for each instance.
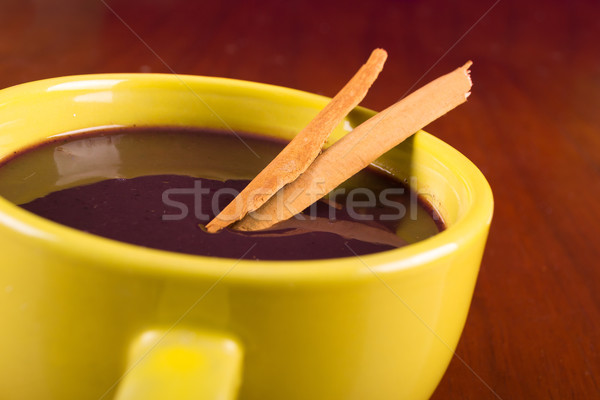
<point>296,157</point>
<point>362,146</point>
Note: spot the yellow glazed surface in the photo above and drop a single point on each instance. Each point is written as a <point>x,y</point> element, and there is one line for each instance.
<point>89,318</point>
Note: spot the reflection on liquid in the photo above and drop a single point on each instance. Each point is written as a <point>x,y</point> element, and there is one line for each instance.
<point>346,229</point>
<point>89,158</point>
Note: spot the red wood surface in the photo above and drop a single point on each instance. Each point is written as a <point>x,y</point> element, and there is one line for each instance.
<point>532,125</point>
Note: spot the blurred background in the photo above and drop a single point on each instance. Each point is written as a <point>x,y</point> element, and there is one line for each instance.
<point>532,125</point>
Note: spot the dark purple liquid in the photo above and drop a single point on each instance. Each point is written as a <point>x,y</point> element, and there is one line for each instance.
<point>113,183</point>
<point>134,211</point>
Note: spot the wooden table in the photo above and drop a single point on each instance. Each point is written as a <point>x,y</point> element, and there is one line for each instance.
<point>532,125</point>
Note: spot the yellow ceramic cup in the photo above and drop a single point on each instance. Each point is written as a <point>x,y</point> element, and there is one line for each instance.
<point>85,317</point>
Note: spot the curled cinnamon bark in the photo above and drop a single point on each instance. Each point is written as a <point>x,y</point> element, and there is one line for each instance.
<point>362,146</point>
<point>296,157</point>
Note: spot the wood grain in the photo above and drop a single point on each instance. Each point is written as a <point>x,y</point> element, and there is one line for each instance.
<point>532,125</point>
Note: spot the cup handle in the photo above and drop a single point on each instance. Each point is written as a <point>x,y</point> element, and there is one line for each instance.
<point>182,364</point>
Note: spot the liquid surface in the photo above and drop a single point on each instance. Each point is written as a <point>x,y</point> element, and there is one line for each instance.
<point>157,188</point>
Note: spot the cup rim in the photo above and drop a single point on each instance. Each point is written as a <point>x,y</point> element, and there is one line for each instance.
<point>110,253</point>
